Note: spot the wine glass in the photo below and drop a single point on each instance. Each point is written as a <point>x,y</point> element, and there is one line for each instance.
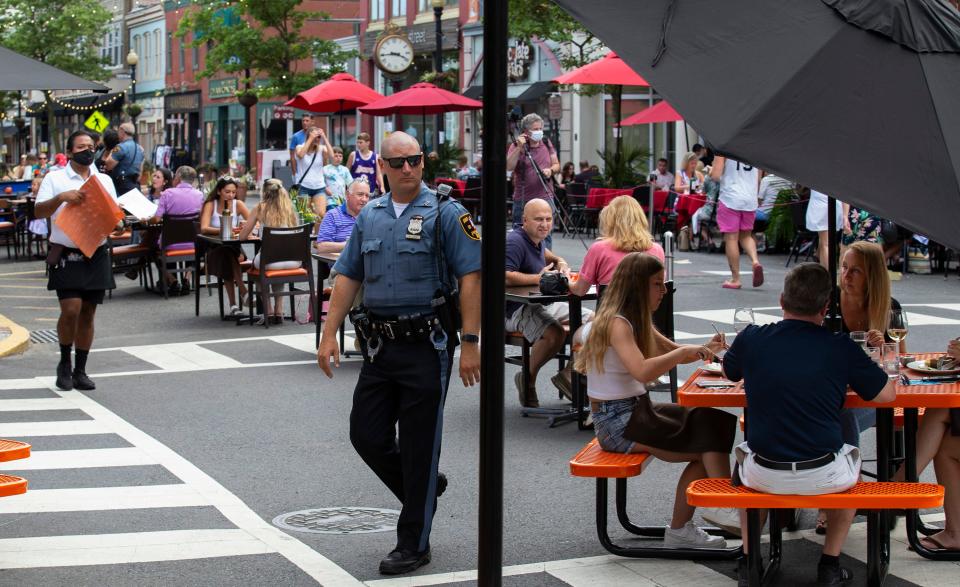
<point>742,317</point>
<point>898,327</point>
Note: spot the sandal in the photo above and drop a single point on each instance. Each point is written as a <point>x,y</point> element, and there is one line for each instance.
<point>730,285</point>
<point>757,275</point>
<point>821,528</point>
<point>937,546</point>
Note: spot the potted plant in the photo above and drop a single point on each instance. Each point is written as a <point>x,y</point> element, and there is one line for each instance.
<point>627,170</point>
<point>247,98</point>
<point>133,110</point>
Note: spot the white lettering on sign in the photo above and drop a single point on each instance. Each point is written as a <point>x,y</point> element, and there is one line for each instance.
<point>518,59</point>
<point>282,113</point>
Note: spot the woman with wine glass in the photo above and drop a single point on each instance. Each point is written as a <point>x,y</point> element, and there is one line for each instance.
<point>866,306</point>
<point>688,179</point>
<point>621,350</point>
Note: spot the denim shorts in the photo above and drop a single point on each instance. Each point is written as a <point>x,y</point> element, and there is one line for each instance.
<point>609,422</point>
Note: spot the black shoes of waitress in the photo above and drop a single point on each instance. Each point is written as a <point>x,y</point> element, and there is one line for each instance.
<point>399,562</point>
<point>68,380</point>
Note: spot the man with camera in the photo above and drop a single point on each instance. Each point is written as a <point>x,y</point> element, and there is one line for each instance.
<point>533,161</point>
<point>527,260</point>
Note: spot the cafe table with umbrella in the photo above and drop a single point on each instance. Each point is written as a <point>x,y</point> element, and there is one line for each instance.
<point>613,71</point>
<point>811,90</point>
<point>423,99</point>
<point>338,94</point>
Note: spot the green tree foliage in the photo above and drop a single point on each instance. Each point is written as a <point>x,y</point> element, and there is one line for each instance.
<point>67,35</point>
<point>542,19</point>
<point>264,37</point>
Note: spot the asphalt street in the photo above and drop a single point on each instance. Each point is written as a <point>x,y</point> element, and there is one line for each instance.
<point>200,433</point>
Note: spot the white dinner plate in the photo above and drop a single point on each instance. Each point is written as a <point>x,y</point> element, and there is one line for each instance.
<point>923,368</point>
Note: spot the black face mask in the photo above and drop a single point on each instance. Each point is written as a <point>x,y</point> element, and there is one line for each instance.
<point>84,158</point>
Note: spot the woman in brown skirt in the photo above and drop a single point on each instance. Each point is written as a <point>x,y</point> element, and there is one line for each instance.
<point>621,350</point>
<point>224,261</point>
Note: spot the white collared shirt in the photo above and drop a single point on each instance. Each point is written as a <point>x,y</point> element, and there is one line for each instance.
<point>62,180</point>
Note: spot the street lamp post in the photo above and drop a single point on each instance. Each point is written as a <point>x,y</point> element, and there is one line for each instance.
<point>132,60</point>
<point>438,62</point>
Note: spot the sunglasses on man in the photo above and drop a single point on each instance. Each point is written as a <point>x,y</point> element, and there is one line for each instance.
<point>397,162</point>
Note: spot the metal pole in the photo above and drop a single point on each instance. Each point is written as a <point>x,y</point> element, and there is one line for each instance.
<point>833,317</point>
<point>494,207</point>
<point>668,248</point>
<point>133,92</point>
<point>438,67</point>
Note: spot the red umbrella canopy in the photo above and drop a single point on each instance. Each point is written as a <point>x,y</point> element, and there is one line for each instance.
<point>422,98</point>
<point>609,70</point>
<point>341,92</point>
<point>661,112</point>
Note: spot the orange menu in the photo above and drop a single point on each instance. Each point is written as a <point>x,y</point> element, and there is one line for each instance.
<point>87,222</point>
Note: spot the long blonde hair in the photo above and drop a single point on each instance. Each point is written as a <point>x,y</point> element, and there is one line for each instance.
<point>276,208</point>
<point>877,299</point>
<point>628,295</point>
<point>623,223</point>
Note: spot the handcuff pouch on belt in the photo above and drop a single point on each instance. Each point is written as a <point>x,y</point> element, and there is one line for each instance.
<point>373,331</point>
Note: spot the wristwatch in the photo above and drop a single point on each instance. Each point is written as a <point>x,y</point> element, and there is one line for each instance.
<point>470,338</point>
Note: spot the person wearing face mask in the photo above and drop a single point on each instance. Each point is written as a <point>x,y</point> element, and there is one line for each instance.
<point>79,281</point>
<point>528,182</point>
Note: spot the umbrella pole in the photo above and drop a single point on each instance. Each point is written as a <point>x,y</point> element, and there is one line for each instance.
<point>617,111</point>
<point>494,206</point>
<point>833,246</point>
<point>341,125</point>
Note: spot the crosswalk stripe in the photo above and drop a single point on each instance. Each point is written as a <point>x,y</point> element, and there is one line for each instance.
<point>102,498</point>
<point>65,428</point>
<point>34,404</point>
<point>725,316</point>
<point>181,357</point>
<point>918,319</point>
<point>134,547</point>
<point>29,383</point>
<point>80,459</point>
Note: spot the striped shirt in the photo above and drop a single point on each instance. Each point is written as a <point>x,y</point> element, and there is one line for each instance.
<point>336,226</point>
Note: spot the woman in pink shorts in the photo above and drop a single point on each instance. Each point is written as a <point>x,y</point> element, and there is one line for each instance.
<point>736,212</point>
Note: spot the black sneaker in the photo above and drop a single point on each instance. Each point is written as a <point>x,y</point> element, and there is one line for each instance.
<point>833,575</point>
<point>184,288</point>
<point>173,289</point>
<point>399,562</point>
<point>133,273</point>
<point>82,382</point>
<point>64,381</point>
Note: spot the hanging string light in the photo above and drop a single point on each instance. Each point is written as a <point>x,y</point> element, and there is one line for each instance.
<point>72,107</point>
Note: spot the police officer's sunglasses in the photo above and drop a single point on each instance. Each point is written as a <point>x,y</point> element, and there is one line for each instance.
<point>397,162</point>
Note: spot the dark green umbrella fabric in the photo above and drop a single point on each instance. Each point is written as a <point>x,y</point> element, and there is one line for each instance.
<point>18,72</point>
<point>856,99</point>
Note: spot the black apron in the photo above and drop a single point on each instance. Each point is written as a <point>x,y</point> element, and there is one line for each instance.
<point>77,272</point>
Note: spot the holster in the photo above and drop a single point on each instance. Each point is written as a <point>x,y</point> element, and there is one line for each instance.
<point>54,252</point>
<point>446,305</point>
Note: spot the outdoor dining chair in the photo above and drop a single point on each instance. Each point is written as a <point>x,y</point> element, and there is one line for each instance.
<point>177,237</point>
<point>278,245</point>
<point>11,227</point>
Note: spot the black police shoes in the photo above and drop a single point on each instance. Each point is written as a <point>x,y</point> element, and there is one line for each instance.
<point>441,484</point>
<point>82,382</point>
<point>399,562</point>
<point>64,381</point>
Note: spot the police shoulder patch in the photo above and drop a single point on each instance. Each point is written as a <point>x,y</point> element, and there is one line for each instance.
<point>466,223</point>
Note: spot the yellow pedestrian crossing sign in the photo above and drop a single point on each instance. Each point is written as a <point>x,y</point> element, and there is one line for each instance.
<point>97,122</point>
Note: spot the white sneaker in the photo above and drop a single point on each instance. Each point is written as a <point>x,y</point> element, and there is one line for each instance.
<point>691,537</point>
<point>727,519</point>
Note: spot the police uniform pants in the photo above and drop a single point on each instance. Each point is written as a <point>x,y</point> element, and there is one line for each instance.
<point>403,391</point>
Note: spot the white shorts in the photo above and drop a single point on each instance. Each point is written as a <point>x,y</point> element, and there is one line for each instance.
<point>840,475</point>
<point>534,319</point>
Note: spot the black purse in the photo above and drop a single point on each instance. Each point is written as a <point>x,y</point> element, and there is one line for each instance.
<point>554,283</point>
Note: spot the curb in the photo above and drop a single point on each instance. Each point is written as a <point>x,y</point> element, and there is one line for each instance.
<point>17,342</point>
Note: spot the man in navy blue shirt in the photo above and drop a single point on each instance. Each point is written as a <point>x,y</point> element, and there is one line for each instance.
<point>796,375</point>
<point>527,258</point>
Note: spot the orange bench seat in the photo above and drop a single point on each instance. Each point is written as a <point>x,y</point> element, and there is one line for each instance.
<point>254,272</point>
<point>10,485</point>
<point>12,450</point>
<point>593,461</point>
<point>863,495</point>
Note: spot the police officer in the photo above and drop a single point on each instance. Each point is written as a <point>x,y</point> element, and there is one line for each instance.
<point>80,281</point>
<point>125,160</point>
<point>410,251</point>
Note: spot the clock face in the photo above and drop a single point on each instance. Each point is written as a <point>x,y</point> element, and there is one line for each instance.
<point>394,54</point>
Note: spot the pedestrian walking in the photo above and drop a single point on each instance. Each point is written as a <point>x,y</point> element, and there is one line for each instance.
<point>736,214</point>
<point>79,281</point>
<point>125,160</point>
<point>412,251</point>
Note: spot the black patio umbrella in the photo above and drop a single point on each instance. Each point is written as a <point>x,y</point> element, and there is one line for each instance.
<point>19,72</point>
<point>855,98</point>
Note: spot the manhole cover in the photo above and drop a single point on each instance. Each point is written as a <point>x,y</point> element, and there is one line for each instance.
<point>342,520</point>
<point>42,336</point>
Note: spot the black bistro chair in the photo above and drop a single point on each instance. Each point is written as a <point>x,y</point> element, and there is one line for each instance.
<point>282,244</point>
<point>179,231</point>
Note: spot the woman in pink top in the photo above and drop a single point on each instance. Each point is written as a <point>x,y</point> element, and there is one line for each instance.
<point>624,230</point>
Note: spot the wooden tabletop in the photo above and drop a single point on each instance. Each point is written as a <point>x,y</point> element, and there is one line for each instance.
<point>943,395</point>
<point>325,257</point>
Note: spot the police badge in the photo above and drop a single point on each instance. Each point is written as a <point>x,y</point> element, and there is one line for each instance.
<point>415,227</point>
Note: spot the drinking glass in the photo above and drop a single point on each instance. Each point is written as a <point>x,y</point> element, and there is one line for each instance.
<point>898,327</point>
<point>742,317</point>
<point>891,359</point>
<point>876,355</point>
<point>859,337</point>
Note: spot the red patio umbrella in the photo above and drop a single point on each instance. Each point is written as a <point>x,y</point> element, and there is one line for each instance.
<point>613,71</point>
<point>662,112</point>
<point>422,98</point>
<point>339,93</point>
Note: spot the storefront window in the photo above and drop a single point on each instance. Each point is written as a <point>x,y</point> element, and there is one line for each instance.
<point>398,8</point>
<point>377,9</point>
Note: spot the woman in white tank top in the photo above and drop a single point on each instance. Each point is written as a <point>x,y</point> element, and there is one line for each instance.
<point>621,350</point>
